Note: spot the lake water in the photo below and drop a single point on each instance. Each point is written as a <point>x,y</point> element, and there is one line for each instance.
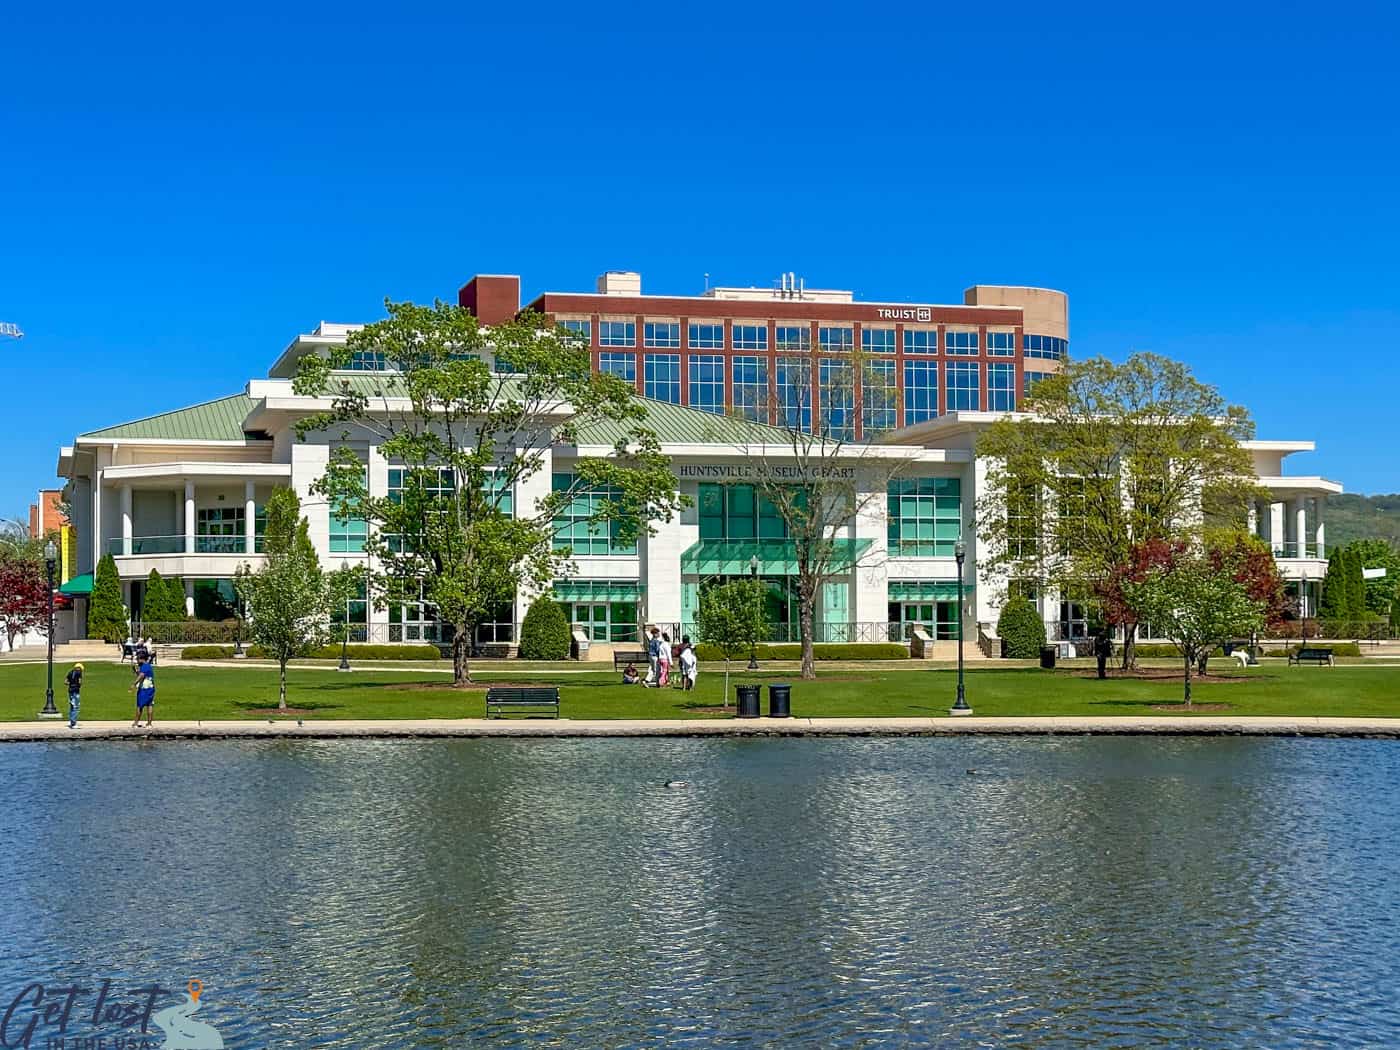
<point>1093,892</point>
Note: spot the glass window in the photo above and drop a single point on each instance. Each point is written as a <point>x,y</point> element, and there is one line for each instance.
<point>368,361</point>
<point>574,529</point>
<point>794,337</point>
<point>921,340</point>
<point>879,397</point>
<point>836,338</point>
<point>964,381</point>
<point>617,333</point>
<point>707,382</point>
<point>877,340</point>
<point>1001,387</point>
<point>838,398</point>
<point>355,613</point>
<point>750,337</point>
<point>1001,344</point>
<point>582,329</point>
<point>1034,379</point>
<point>925,517</point>
<point>662,333</point>
<point>663,377</point>
<point>349,533</point>
<point>219,530</point>
<point>920,391</point>
<point>707,336</point>
<point>749,378</point>
<point>624,366</point>
<point>1044,346</point>
<point>415,621</point>
<point>738,512</point>
<point>960,342</point>
<point>793,376</point>
<point>604,621</point>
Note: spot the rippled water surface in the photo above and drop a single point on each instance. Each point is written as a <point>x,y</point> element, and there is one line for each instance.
<point>1070,892</point>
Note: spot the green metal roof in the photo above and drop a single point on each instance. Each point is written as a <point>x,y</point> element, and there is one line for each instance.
<point>678,425</point>
<point>220,420</point>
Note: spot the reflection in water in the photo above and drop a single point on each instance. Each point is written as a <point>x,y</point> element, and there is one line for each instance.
<point>1071,892</point>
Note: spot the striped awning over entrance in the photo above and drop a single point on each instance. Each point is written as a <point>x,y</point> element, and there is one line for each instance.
<point>926,591</point>
<point>775,557</point>
<point>597,590</point>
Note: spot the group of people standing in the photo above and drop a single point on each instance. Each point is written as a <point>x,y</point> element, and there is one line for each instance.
<point>659,660</point>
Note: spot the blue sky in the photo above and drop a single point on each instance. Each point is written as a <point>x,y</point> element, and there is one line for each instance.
<point>183,188</point>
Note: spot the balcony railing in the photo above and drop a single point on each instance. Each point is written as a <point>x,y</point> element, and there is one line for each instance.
<point>1296,550</point>
<point>148,545</point>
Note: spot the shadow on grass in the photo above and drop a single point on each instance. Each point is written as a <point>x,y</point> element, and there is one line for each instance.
<point>271,705</point>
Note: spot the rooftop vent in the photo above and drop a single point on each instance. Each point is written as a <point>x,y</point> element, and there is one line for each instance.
<point>620,282</point>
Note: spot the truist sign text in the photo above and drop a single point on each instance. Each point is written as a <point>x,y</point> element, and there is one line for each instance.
<point>904,313</point>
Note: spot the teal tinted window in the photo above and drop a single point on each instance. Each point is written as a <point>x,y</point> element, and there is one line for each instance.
<point>924,517</point>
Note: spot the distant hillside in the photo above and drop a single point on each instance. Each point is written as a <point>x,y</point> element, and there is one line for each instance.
<point>1362,517</point>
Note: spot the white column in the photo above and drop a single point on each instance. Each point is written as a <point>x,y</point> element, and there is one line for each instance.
<point>1300,526</point>
<point>1321,526</point>
<point>250,517</point>
<point>1276,530</point>
<point>189,597</point>
<point>189,517</point>
<point>1253,518</point>
<point>126,518</point>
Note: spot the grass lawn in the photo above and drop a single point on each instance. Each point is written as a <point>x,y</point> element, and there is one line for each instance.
<point>900,689</point>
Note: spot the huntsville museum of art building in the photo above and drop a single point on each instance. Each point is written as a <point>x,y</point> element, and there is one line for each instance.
<point>183,492</point>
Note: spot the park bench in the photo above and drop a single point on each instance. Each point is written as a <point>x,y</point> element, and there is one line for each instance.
<point>1317,656</point>
<point>623,657</point>
<point>521,698</point>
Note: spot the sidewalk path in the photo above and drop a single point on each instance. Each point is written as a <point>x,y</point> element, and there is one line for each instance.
<point>564,727</point>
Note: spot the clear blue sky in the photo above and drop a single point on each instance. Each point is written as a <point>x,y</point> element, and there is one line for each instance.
<point>185,187</point>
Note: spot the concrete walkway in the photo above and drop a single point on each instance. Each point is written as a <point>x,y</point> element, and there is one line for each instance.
<point>527,727</point>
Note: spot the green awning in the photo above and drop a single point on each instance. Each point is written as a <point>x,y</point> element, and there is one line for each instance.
<point>775,557</point>
<point>78,586</point>
<point>597,590</point>
<point>926,591</point>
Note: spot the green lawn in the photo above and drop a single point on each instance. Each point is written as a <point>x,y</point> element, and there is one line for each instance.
<point>868,691</point>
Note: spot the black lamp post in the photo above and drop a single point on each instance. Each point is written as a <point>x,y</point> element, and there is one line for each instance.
<point>50,557</point>
<point>345,636</point>
<point>960,705</point>
<point>753,575</point>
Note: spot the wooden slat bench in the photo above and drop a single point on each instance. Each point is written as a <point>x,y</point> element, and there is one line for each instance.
<point>623,657</point>
<point>1317,656</point>
<point>521,698</point>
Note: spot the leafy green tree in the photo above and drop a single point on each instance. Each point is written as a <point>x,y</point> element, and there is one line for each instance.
<point>1197,605</point>
<point>730,616</point>
<point>463,434</point>
<point>106,613</point>
<point>1020,627</point>
<point>289,600</point>
<point>1333,606</point>
<point>1381,591</point>
<point>1395,613</point>
<point>544,633</point>
<point>1106,457</point>
<point>164,600</point>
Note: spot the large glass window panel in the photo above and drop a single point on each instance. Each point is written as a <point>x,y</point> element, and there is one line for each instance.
<point>706,337</point>
<point>1001,344</point>
<point>707,382</point>
<point>964,392</point>
<point>924,517</point>
<point>624,366</point>
<point>794,337</point>
<point>836,338</point>
<point>838,398</point>
<point>877,340</point>
<point>1047,346</point>
<point>574,529</point>
<point>617,333</point>
<point>793,377</point>
<point>879,397</point>
<point>920,391</point>
<point>921,340</point>
<point>661,333</point>
<point>663,377</point>
<point>1001,387</point>
<point>750,337</point>
<point>959,342</point>
<point>749,379</point>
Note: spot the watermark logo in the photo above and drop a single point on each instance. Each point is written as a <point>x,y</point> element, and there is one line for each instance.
<point>71,1017</point>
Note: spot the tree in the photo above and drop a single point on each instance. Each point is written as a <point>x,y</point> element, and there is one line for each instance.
<point>1021,629</point>
<point>1332,607</point>
<point>1104,457</point>
<point>810,470</point>
<point>1197,606</point>
<point>1381,591</point>
<point>106,613</point>
<point>544,633</point>
<point>289,600</point>
<point>462,435</point>
<point>730,616</point>
<point>164,600</point>
<point>24,597</point>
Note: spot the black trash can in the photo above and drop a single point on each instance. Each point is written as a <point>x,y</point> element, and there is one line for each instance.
<point>748,700</point>
<point>779,701</point>
<point>1047,657</point>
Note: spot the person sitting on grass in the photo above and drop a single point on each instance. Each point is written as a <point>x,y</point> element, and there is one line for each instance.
<point>630,675</point>
<point>145,694</point>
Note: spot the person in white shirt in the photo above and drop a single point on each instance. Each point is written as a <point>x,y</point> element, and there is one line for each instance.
<point>690,665</point>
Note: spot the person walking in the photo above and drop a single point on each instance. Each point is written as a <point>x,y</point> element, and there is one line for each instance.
<point>663,665</point>
<point>690,664</point>
<point>653,657</point>
<point>1103,649</point>
<point>145,694</point>
<point>74,679</point>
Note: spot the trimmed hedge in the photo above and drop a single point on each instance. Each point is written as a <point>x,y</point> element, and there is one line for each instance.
<point>821,651</point>
<point>1021,630</point>
<point>356,651</point>
<point>544,633</point>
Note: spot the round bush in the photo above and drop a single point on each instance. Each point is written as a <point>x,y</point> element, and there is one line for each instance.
<point>1021,629</point>
<point>544,635</point>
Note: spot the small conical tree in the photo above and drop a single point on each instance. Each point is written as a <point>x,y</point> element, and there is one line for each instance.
<point>1333,606</point>
<point>1395,613</point>
<point>175,610</point>
<point>1356,585</point>
<point>106,613</point>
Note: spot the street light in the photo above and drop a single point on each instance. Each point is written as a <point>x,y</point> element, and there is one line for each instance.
<point>960,705</point>
<point>50,557</point>
<point>345,635</point>
<point>753,575</point>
